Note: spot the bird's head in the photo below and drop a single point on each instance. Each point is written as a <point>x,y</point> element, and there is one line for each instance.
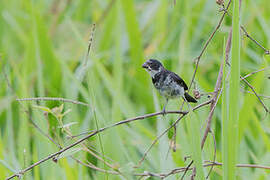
<point>153,67</point>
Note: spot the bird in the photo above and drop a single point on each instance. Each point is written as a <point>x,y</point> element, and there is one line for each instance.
<point>168,84</point>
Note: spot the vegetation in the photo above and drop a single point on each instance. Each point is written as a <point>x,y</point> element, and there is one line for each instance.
<point>96,122</point>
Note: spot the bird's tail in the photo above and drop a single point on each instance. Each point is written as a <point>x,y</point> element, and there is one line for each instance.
<point>189,98</point>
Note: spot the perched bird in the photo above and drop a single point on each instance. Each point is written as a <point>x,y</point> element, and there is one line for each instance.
<point>169,84</point>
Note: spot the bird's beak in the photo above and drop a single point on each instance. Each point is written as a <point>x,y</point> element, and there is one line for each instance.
<point>145,65</point>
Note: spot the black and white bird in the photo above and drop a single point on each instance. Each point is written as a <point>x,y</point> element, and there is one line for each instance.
<point>169,84</point>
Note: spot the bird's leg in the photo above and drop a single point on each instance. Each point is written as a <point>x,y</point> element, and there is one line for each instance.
<point>189,107</point>
<point>164,107</point>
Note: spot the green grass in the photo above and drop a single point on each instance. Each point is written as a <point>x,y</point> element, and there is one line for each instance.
<point>225,114</point>
<point>43,46</point>
<point>193,124</point>
<point>232,126</point>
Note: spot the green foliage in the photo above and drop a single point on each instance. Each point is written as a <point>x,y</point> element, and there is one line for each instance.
<point>234,91</point>
<point>42,50</point>
<point>193,124</point>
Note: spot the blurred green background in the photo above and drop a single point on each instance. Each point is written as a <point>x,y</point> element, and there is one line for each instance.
<point>43,45</point>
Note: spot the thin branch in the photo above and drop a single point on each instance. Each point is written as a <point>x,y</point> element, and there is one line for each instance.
<point>173,171</point>
<point>266,51</point>
<point>166,130</point>
<point>263,69</point>
<point>217,88</point>
<point>43,133</point>
<point>174,139</point>
<point>52,99</point>
<point>93,133</point>
<point>156,140</point>
<point>252,88</point>
<point>192,177</point>
<point>135,119</point>
<point>207,43</point>
<point>228,47</point>
<point>207,130</point>
<point>241,165</point>
<point>183,169</point>
<point>244,78</point>
<point>90,165</point>
<point>99,153</point>
<point>213,105</point>
<point>261,95</point>
<point>191,161</point>
<point>53,155</point>
<point>186,169</point>
<point>99,158</point>
<point>27,112</point>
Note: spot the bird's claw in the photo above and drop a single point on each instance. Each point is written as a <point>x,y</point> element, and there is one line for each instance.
<point>163,112</point>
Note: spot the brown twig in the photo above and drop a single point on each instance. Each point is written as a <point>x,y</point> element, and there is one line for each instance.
<point>173,171</point>
<point>263,69</point>
<point>98,157</point>
<point>252,88</point>
<point>213,104</point>
<point>135,119</point>
<point>241,165</point>
<point>186,169</point>
<point>266,51</point>
<point>54,154</point>
<point>191,162</point>
<point>90,165</point>
<point>52,99</point>
<point>27,112</point>
<point>98,131</point>
<point>244,78</point>
<point>183,169</point>
<point>217,87</point>
<point>192,177</point>
<point>228,47</point>
<point>261,95</point>
<point>166,130</point>
<point>207,43</point>
<point>174,139</point>
<point>156,140</point>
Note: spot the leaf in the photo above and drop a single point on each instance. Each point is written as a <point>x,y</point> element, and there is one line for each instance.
<point>68,125</point>
<point>67,111</point>
<point>43,108</point>
<point>193,126</point>
<point>58,110</point>
<point>232,127</point>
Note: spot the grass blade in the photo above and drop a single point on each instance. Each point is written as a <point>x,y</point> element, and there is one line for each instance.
<point>193,126</point>
<point>231,129</point>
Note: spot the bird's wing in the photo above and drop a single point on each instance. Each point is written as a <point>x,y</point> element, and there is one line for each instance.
<point>179,80</point>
